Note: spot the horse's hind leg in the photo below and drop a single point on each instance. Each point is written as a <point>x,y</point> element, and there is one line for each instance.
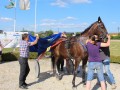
<point>52,63</point>
<point>84,62</point>
<point>56,72</point>
<point>55,66</point>
<point>60,64</point>
<point>77,61</point>
<point>69,66</point>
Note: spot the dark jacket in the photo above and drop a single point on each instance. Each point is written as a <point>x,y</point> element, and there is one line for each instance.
<point>104,52</point>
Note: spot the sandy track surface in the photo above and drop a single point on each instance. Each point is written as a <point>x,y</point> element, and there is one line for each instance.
<point>9,74</point>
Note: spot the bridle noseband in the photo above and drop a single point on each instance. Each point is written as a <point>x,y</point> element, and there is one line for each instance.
<point>103,34</point>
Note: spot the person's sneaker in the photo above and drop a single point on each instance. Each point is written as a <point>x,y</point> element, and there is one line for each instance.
<point>23,87</point>
<point>105,74</point>
<point>113,86</point>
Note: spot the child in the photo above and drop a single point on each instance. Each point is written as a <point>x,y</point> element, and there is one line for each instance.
<point>23,60</point>
<point>95,62</point>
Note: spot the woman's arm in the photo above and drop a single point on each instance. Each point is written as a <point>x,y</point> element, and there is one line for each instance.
<point>35,42</point>
<point>106,44</point>
<point>87,41</point>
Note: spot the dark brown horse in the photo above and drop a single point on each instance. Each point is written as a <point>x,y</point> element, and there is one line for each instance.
<point>75,48</point>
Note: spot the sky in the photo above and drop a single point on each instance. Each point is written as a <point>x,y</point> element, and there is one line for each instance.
<point>61,15</point>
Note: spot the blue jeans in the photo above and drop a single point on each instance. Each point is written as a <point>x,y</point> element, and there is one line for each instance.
<point>106,64</point>
<point>92,66</point>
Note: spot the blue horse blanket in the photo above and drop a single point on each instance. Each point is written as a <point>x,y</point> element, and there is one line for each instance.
<point>43,43</point>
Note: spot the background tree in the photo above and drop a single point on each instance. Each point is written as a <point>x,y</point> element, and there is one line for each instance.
<point>45,34</point>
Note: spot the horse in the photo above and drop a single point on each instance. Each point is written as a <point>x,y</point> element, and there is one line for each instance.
<point>74,48</point>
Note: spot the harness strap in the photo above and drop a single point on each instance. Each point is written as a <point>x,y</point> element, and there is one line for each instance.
<point>57,43</point>
<point>84,46</point>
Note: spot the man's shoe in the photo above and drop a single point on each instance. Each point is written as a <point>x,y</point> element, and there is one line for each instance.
<point>25,84</point>
<point>113,86</point>
<point>98,83</point>
<point>23,87</point>
<point>84,84</point>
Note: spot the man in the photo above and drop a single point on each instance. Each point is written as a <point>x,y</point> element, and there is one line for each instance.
<point>23,60</point>
<point>105,56</point>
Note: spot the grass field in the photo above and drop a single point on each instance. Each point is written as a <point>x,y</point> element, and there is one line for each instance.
<point>114,48</point>
<point>6,50</point>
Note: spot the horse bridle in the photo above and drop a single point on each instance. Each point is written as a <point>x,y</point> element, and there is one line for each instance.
<point>102,36</point>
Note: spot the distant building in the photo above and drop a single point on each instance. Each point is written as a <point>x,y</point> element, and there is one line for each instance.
<point>11,33</point>
<point>1,31</point>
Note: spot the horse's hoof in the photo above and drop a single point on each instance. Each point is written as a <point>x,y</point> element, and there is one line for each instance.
<point>74,88</point>
<point>58,76</point>
<point>68,73</point>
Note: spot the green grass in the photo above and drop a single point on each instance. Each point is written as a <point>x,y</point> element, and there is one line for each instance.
<point>115,48</point>
<point>9,55</point>
<point>6,50</point>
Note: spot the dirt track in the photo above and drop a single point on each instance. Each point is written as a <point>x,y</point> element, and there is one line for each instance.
<point>9,74</point>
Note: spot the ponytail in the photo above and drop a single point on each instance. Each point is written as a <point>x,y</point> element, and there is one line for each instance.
<point>93,38</point>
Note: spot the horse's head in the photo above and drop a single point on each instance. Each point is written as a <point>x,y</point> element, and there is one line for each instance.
<point>101,30</point>
<point>97,28</point>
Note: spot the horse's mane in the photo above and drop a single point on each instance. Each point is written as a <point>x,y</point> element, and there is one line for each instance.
<point>86,30</point>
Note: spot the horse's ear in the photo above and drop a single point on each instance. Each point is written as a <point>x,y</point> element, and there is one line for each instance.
<point>99,19</point>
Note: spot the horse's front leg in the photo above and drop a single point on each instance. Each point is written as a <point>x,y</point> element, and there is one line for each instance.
<point>73,81</point>
<point>77,61</point>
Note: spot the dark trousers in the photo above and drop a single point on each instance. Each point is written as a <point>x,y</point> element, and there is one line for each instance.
<point>24,70</point>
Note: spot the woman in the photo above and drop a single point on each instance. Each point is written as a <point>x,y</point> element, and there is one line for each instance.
<point>95,62</point>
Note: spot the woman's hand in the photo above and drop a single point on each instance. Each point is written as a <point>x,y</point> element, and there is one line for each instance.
<point>108,36</point>
<point>107,43</point>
